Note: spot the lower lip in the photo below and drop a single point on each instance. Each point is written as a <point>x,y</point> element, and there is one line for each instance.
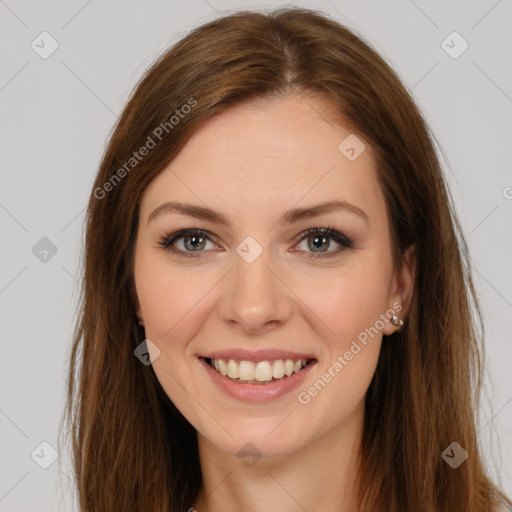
<point>257,392</point>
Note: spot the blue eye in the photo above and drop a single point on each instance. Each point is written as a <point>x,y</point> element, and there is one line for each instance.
<point>318,242</point>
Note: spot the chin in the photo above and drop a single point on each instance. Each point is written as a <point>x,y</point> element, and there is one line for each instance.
<point>269,438</point>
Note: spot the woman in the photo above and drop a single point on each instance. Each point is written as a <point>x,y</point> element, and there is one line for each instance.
<point>276,307</point>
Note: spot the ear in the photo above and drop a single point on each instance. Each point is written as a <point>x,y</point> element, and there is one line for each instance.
<point>402,288</point>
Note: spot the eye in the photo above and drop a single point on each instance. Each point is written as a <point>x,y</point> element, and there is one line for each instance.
<point>318,241</point>
<point>187,242</point>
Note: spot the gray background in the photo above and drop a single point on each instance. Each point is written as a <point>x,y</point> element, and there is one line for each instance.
<point>57,113</point>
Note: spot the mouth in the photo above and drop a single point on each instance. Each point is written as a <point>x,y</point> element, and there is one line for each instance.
<point>258,372</point>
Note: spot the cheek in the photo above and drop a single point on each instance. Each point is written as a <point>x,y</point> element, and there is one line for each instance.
<point>350,307</point>
<point>173,303</point>
<point>347,306</point>
<point>171,299</point>
<point>346,302</point>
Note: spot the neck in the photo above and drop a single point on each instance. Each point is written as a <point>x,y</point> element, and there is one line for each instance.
<point>319,476</point>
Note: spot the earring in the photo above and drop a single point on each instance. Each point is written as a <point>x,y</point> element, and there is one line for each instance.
<point>141,322</point>
<point>397,321</point>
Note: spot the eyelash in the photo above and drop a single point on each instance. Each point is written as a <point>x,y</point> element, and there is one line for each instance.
<point>345,242</point>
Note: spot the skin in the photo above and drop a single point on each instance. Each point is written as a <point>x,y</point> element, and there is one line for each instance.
<point>252,163</point>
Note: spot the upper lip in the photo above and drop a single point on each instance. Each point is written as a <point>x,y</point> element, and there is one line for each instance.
<point>240,354</point>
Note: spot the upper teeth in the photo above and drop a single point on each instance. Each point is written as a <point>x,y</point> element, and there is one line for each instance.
<point>261,371</point>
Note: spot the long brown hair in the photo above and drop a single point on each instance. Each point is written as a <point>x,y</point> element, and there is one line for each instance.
<point>132,449</point>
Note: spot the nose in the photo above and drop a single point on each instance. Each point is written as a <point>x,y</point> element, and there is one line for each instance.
<point>254,298</point>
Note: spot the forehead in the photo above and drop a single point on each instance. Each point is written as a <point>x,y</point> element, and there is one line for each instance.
<point>270,152</point>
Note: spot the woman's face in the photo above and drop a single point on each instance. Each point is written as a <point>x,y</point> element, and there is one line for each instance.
<point>258,284</point>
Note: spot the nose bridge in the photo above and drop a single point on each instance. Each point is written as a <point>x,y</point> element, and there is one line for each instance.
<point>254,299</point>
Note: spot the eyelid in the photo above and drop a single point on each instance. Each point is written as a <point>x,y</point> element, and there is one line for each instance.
<point>327,231</point>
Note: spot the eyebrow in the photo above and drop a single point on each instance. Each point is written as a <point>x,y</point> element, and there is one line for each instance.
<point>289,217</point>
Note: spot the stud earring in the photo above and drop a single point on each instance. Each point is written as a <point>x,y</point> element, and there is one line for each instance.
<point>141,322</point>
<point>396,320</point>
